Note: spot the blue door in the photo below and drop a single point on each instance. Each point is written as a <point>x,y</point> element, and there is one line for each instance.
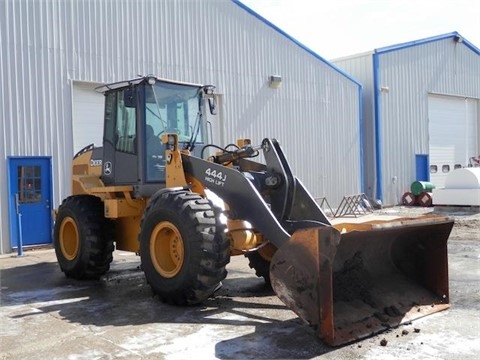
<point>30,198</point>
<point>422,167</point>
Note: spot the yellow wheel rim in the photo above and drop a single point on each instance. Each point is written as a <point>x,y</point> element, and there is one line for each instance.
<point>166,249</point>
<point>69,238</point>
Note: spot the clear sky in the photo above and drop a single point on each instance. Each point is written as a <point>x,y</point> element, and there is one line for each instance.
<point>336,28</point>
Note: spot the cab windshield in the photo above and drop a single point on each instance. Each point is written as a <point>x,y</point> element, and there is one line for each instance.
<point>173,108</point>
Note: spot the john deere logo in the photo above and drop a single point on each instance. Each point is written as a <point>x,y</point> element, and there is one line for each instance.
<point>107,168</point>
<point>96,162</point>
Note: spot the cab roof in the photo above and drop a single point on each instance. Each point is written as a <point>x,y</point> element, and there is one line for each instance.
<point>139,80</point>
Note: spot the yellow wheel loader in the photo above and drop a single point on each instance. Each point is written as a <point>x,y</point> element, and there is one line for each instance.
<point>154,187</point>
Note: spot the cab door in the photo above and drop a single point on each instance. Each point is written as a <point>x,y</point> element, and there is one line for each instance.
<point>120,163</point>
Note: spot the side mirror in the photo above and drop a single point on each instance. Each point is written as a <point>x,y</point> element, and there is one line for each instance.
<point>209,91</point>
<point>212,105</point>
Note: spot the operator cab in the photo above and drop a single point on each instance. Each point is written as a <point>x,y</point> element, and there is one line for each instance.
<point>137,113</point>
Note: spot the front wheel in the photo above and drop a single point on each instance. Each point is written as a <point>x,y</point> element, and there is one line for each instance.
<point>183,247</point>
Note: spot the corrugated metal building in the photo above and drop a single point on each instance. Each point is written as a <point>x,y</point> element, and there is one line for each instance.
<point>54,53</point>
<point>421,112</point>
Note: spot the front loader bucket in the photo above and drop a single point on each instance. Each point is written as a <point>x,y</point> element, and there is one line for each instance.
<point>354,280</point>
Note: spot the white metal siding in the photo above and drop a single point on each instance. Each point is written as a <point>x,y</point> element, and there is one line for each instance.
<point>361,68</point>
<point>46,45</point>
<point>410,74</point>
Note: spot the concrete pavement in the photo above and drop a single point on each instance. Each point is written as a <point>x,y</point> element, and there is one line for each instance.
<point>44,315</point>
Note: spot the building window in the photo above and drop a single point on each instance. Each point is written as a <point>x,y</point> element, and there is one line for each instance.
<point>29,184</point>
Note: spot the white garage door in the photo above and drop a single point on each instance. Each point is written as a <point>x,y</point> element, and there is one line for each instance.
<point>88,107</point>
<point>453,130</point>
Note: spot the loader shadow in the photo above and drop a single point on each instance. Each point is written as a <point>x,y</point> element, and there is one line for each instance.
<point>242,303</point>
<point>293,342</point>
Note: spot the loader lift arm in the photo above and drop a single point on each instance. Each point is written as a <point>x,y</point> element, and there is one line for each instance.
<point>291,206</point>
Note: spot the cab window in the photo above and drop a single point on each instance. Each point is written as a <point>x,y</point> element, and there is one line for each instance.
<point>173,108</point>
<point>125,124</point>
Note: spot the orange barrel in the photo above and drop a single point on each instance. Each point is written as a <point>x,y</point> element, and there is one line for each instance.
<point>419,187</point>
<point>425,199</point>
<point>408,199</point>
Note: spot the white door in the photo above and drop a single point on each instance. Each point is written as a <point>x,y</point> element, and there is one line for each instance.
<point>453,131</point>
<point>88,108</point>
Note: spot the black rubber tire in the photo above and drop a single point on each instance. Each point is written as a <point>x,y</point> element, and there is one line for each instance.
<point>204,247</point>
<point>260,261</point>
<point>83,238</point>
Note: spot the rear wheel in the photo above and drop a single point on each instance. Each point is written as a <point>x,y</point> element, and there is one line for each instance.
<point>260,261</point>
<point>183,247</point>
<point>83,238</point>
